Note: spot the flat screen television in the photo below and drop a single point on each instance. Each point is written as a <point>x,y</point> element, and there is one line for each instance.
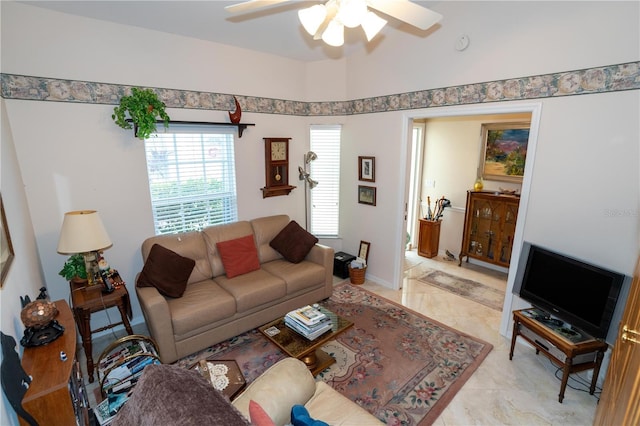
<point>576,292</point>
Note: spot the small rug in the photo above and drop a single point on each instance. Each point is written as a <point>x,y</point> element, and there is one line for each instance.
<point>399,365</point>
<point>472,290</point>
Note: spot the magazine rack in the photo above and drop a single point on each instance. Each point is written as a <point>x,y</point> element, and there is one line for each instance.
<point>128,355</point>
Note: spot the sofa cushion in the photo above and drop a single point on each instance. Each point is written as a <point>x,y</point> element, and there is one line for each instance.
<point>171,395</point>
<point>336,409</point>
<point>298,276</point>
<point>188,313</point>
<point>264,230</point>
<point>253,289</point>
<point>167,271</point>
<point>293,242</point>
<point>239,255</point>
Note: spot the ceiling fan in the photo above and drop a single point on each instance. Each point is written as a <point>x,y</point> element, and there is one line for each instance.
<point>327,21</point>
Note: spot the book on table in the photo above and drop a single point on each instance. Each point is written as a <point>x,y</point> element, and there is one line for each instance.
<point>310,335</point>
<point>311,332</point>
<point>308,315</point>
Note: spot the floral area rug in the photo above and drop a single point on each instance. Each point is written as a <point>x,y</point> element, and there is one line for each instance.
<point>399,365</point>
<point>472,290</point>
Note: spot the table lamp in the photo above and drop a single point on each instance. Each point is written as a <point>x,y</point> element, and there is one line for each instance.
<point>83,232</point>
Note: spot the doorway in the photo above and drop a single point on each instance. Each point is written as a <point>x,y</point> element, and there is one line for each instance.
<point>464,170</point>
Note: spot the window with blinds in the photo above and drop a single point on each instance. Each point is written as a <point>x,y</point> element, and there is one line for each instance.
<point>325,197</point>
<point>192,178</point>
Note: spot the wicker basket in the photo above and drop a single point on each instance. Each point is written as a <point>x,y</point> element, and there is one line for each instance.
<point>357,275</point>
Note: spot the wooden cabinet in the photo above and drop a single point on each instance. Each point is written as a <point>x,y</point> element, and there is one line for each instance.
<point>489,227</point>
<point>57,395</point>
<point>428,238</point>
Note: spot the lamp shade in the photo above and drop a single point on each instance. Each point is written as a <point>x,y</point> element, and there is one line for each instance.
<point>352,12</point>
<point>82,232</point>
<point>312,17</point>
<point>372,24</point>
<point>334,34</point>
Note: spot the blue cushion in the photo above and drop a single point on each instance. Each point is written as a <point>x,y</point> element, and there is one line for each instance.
<point>300,417</point>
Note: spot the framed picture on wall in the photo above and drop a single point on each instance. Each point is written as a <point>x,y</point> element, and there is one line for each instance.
<point>367,169</point>
<point>367,195</point>
<point>504,151</point>
<point>6,248</point>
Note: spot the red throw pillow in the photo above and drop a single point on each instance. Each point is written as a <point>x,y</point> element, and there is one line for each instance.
<point>239,256</point>
<point>258,416</point>
<point>293,242</point>
<point>167,271</point>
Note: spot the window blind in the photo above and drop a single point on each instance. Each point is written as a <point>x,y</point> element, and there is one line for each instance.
<point>191,179</point>
<point>325,197</point>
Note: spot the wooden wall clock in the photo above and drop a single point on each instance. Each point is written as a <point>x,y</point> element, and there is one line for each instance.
<point>276,167</point>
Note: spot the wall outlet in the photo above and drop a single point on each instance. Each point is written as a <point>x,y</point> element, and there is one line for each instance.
<point>430,183</point>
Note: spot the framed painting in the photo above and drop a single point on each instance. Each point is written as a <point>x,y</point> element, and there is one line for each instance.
<point>504,151</point>
<point>367,195</point>
<point>367,169</point>
<point>363,253</point>
<point>6,248</point>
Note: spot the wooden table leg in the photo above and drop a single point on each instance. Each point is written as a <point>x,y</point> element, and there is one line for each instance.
<point>596,371</point>
<point>565,378</point>
<point>513,339</point>
<point>83,319</point>
<point>125,320</point>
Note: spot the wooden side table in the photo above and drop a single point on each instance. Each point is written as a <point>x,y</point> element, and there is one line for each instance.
<point>571,357</point>
<point>85,301</point>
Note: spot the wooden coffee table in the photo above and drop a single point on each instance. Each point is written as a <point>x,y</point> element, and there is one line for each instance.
<point>298,346</point>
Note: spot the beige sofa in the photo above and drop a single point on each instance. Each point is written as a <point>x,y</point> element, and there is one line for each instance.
<point>214,307</point>
<point>170,395</point>
<point>289,382</point>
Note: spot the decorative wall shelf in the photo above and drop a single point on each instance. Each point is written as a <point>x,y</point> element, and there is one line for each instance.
<point>240,126</point>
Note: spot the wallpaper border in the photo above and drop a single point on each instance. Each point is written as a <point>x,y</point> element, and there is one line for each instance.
<point>610,78</point>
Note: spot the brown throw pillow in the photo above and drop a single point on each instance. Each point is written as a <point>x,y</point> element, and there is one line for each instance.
<point>167,271</point>
<point>293,242</point>
<point>238,256</point>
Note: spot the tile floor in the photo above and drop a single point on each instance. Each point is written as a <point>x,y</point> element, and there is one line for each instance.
<point>501,392</point>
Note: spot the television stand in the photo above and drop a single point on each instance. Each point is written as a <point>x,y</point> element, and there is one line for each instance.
<point>572,357</point>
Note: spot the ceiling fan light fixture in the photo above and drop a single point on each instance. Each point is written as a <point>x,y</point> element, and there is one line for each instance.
<point>334,34</point>
<point>352,12</point>
<point>372,24</point>
<point>312,17</point>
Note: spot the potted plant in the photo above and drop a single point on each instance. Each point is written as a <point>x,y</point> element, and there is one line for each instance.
<point>74,269</point>
<point>143,108</point>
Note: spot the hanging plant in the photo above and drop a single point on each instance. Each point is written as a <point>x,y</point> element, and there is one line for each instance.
<point>143,108</point>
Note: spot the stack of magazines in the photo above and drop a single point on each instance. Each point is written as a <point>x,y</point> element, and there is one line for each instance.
<point>308,321</point>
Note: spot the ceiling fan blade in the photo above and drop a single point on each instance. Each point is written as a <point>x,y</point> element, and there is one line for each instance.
<point>405,11</point>
<point>252,5</point>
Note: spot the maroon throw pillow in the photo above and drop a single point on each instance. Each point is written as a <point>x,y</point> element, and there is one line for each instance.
<point>293,242</point>
<point>238,256</point>
<point>167,271</point>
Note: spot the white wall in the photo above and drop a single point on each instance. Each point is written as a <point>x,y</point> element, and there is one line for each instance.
<point>24,276</point>
<point>509,39</point>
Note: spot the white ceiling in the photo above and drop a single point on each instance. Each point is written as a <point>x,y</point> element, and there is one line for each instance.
<point>275,30</point>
